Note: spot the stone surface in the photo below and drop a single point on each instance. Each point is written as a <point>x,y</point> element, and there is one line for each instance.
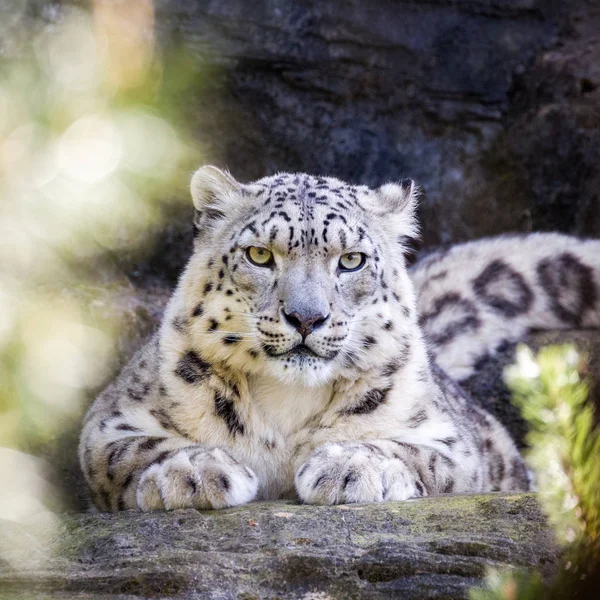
<point>548,153</point>
<point>430,548</point>
<point>491,105</point>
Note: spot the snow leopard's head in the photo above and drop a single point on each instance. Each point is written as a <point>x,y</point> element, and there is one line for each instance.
<point>298,277</point>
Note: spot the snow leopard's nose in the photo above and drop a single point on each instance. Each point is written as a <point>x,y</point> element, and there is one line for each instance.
<point>305,322</point>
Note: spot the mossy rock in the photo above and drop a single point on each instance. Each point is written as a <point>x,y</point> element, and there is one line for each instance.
<point>430,548</point>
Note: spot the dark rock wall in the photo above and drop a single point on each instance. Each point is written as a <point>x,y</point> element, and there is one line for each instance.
<point>491,105</point>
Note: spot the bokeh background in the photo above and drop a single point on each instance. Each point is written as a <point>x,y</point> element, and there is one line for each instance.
<point>95,159</point>
<point>107,106</point>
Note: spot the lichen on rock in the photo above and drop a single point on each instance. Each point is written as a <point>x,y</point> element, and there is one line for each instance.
<point>429,548</point>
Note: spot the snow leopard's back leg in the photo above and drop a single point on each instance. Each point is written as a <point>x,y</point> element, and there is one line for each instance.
<point>475,297</point>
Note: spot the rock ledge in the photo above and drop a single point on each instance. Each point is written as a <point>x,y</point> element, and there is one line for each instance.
<point>430,548</point>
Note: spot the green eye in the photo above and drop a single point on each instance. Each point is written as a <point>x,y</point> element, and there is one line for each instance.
<point>260,257</point>
<point>352,261</point>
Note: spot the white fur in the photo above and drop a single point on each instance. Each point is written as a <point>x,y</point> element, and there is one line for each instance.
<point>221,408</point>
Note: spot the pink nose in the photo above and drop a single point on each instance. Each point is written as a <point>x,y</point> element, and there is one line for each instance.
<point>305,324</point>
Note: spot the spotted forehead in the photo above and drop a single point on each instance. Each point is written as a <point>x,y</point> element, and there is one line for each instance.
<point>306,209</point>
<point>307,192</point>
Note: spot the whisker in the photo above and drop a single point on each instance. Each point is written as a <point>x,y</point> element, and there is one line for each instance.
<point>242,314</point>
<point>353,347</point>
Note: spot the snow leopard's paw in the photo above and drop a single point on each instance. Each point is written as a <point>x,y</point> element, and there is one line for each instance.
<point>196,478</point>
<point>338,473</point>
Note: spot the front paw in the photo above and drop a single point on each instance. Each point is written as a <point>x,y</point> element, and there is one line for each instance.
<point>339,473</point>
<point>196,478</point>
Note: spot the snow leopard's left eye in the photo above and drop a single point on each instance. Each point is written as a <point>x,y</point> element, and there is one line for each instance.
<point>352,261</point>
<point>261,257</point>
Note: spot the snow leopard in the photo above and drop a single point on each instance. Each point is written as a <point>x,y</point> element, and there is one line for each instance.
<point>300,358</point>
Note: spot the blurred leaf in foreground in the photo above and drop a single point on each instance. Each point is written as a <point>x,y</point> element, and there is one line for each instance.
<point>564,453</point>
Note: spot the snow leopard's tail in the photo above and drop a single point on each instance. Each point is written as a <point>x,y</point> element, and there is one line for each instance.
<point>477,296</point>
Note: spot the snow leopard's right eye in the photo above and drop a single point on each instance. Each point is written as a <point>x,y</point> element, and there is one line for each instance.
<point>261,257</point>
<point>352,261</point>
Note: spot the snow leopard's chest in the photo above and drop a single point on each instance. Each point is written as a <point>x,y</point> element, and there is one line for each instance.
<point>276,413</point>
<point>270,419</point>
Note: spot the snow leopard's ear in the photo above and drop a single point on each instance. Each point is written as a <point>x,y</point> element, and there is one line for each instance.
<point>397,204</point>
<point>213,192</point>
<point>401,197</point>
<point>212,188</point>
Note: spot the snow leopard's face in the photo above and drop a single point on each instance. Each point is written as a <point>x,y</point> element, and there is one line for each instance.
<point>298,277</point>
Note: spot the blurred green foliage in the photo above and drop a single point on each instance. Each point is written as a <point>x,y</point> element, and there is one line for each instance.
<point>94,149</point>
<point>552,392</point>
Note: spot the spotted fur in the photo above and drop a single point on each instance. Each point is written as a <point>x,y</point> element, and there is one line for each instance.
<point>476,297</point>
<point>301,379</point>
